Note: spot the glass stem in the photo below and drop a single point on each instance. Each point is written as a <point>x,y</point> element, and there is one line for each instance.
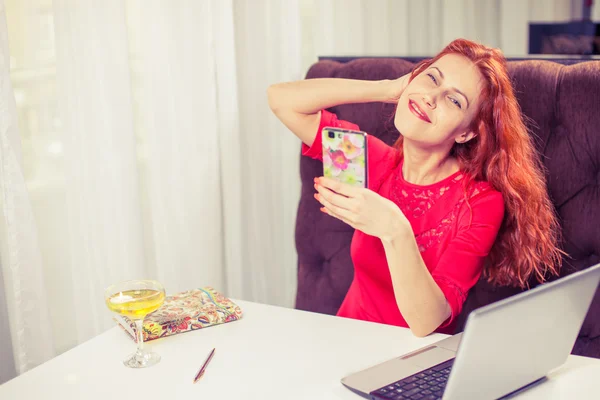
<point>139,324</point>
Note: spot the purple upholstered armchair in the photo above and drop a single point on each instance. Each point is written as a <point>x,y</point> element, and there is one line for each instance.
<point>561,101</point>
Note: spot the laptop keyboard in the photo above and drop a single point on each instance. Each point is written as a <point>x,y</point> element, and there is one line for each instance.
<point>428,384</point>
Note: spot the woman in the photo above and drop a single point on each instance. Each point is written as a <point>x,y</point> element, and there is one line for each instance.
<point>460,193</point>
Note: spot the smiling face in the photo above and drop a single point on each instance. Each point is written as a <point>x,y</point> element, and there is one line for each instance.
<point>437,107</point>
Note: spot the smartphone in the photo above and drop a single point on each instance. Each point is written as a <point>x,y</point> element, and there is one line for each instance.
<point>345,156</point>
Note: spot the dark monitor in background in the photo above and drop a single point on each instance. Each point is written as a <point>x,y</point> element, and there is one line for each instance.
<point>575,38</point>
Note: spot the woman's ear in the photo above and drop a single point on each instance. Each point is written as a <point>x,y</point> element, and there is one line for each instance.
<point>465,137</point>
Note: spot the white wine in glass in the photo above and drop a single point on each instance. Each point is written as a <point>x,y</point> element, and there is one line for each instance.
<point>134,300</point>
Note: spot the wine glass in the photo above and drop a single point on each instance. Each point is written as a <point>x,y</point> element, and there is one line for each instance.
<point>135,299</point>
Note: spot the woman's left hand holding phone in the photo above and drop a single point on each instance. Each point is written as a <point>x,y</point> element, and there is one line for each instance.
<point>362,209</point>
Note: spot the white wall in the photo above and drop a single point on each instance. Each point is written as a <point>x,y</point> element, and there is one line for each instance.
<point>424,27</point>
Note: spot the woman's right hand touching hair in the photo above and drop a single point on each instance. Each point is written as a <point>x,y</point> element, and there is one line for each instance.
<point>396,87</point>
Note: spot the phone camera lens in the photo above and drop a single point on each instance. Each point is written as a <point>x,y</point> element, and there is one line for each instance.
<point>331,135</point>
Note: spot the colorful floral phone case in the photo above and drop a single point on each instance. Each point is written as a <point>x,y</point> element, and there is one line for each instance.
<point>345,156</point>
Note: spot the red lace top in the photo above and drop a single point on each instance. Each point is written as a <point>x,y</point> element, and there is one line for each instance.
<point>454,236</point>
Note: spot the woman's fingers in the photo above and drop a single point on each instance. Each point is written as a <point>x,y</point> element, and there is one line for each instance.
<point>340,212</point>
<point>338,187</point>
<point>337,200</point>
<point>340,200</point>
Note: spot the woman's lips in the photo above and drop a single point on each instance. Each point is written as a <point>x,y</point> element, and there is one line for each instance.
<point>415,109</point>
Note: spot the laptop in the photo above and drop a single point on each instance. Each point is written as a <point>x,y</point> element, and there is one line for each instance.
<point>506,347</point>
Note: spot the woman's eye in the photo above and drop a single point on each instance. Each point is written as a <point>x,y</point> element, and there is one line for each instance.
<point>432,78</point>
<point>455,102</point>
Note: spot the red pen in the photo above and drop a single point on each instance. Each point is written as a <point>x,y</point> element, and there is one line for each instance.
<point>203,368</point>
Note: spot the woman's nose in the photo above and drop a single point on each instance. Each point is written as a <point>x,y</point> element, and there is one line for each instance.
<point>429,100</point>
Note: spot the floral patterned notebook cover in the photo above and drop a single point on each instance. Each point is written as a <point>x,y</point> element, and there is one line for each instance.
<point>184,312</point>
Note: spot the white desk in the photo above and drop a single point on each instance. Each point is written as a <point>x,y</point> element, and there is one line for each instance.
<point>271,353</point>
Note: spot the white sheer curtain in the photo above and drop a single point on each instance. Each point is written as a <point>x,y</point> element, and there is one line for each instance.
<point>146,146</point>
<point>268,49</point>
<point>148,151</point>
<point>24,291</point>
<point>102,230</point>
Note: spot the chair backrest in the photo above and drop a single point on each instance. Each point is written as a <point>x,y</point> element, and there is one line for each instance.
<point>562,108</point>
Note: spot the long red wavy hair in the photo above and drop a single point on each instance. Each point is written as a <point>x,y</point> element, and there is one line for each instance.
<point>503,154</point>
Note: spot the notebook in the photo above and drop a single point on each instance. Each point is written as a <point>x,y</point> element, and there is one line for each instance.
<point>184,312</point>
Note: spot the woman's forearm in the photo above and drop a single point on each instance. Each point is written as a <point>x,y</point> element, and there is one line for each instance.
<point>419,298</point>
<point>298,104</point>
<point>309,96</point>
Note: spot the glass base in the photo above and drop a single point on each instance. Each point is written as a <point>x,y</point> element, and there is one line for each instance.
<point>143,360</point>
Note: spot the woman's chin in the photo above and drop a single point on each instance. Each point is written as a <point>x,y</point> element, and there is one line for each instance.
<point>413,135</point>
<point>406,130</point>
<point>408,124</point>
